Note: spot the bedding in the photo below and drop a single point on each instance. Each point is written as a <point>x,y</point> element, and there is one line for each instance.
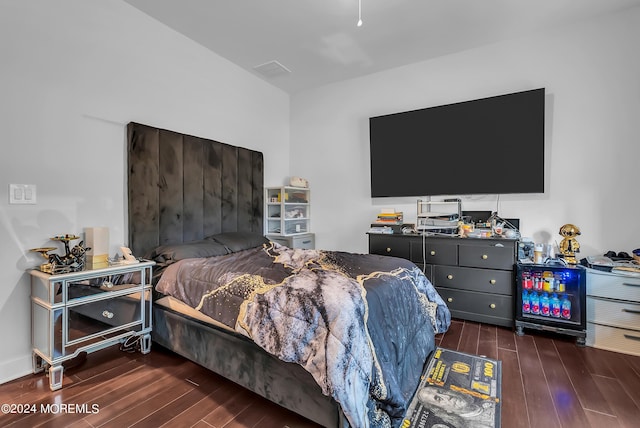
<point>362,325</point>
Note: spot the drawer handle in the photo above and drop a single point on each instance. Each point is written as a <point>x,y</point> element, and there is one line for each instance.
<point>628,336</point>
<point>492,306</point>
<point>485,257</point>
<point>449,276</point>
<point>449,299</point>
<point>630,284</point>
<point>306,242</point>
<point>107,284</point>
<point>492,282</point>
<point>388,250</point>
<point>107,314</point>
<point>631,311</point>
<point>433,252</point>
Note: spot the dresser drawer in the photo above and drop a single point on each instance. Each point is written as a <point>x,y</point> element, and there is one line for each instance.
<point>483,280</point>
<point>441,253</point>
<point>613,339</point>
<point>496,256</point>
<point>435,252</point>
<point>492,305</point>
<point>613,286</point>
<point>613,313</point>
<point>305,241</point>
<point>389,245</point>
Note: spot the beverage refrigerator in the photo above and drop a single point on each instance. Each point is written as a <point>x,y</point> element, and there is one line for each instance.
<point>551,298</point>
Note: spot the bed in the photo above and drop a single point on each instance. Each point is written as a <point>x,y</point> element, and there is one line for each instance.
<point>339,338</point>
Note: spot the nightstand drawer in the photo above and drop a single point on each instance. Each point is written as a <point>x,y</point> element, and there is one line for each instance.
<point>116,313</point>
<point>96,289</point>
<point>485,280</point>
<point>489,257</point>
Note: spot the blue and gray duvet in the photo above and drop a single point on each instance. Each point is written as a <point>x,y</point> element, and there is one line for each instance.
<point>362,325</point>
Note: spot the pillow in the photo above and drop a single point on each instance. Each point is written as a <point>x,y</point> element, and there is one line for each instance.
<point>171,253</point>
<point>238,241</point>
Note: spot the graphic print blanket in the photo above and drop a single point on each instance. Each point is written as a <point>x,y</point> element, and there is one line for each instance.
<point>363,325</point>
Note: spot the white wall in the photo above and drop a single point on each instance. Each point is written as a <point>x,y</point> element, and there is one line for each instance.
<point>73,74</point>
<point>590,72</point>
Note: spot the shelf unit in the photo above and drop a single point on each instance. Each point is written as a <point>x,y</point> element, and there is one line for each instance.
<point>448,213</point>
<point>287,211</point>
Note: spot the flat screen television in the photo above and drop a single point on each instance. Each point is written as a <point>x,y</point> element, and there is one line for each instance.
<point>491,145</point>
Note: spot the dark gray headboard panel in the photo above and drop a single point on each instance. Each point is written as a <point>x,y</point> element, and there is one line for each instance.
<point>182,188</point>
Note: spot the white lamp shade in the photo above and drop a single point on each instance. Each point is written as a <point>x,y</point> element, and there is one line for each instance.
<point>97,240</point>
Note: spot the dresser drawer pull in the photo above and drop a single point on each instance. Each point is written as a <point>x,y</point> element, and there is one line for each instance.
<point>628,336</point>
<point>485,257</point>
<point>433,252</point>
<point>388,249</point>
<point>492,306</point>
<point>107,314</point>
<point>306,242</point>
<point>449,299</point>
<point>492,281</point>
<point>630,284</point>
<point>449,276</point>
<point>631,311</point>
<point>107,284</point>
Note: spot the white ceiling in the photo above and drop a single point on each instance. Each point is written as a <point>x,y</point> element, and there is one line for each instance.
<point>319,42</point>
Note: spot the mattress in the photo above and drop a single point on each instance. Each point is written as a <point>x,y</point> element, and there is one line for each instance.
<point>176,305</point>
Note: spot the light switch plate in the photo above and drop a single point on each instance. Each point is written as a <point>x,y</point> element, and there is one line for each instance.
<point>22,193</point>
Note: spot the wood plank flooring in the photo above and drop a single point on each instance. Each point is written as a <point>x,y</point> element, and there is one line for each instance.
<point>547,381</point>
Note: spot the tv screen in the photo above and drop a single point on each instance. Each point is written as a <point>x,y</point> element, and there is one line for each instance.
<point>487,146</point>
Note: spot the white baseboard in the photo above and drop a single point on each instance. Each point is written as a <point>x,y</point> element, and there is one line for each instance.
<point>16,368</point>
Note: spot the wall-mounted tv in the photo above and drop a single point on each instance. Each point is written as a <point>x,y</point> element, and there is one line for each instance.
<point>491,145</point>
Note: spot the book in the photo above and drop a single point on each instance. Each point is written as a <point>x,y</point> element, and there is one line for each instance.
<point>457,390</point>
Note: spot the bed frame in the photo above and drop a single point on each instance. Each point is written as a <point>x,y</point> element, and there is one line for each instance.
<point>183,188</point>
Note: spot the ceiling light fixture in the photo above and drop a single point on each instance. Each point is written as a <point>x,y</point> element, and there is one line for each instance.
<point>359,13</point>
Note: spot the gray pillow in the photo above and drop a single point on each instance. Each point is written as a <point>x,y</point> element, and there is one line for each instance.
<point>238,241</point>
<point>171,253</point>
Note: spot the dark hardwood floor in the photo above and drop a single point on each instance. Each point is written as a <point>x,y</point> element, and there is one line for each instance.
<point>547,381</point>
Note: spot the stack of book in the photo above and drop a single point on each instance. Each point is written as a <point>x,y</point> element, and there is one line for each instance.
<point>389,218</point>
<point>388,221</point>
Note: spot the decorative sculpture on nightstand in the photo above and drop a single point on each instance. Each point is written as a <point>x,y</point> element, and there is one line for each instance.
<point>72,261</point>
<point>569,245</point>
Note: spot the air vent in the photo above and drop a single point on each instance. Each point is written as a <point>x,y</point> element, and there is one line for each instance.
<point>271,69</point>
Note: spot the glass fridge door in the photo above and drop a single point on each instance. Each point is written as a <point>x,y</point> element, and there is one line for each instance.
<point>550,295</point>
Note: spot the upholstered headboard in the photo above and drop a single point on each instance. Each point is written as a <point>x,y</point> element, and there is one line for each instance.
<point>182,188</point>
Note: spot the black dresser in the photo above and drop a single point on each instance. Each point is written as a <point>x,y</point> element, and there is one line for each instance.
<point>475,276</point>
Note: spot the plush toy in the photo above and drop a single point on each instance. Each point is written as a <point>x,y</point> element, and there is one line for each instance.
<point>569,244</point>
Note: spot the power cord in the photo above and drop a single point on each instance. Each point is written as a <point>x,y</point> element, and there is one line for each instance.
<point>131,344</point>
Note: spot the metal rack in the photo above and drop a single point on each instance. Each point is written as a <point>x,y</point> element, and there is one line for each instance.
<point>441,221</point>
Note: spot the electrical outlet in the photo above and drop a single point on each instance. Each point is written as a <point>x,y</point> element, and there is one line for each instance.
<point>22,193</point>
